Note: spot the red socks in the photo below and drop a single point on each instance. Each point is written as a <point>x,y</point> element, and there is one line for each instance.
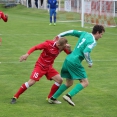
<point>20,91</point>
<point>54,88</point>
<point>24,87</point>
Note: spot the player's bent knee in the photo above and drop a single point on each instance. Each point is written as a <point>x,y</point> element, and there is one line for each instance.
<point>60,81</point>
<point>84,82</point>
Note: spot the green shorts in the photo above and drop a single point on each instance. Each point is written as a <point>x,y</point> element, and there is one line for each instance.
<point>73,71</point>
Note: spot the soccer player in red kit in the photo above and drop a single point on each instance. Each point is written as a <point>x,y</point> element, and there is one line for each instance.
<point>3,16</point>
<point>5,19</point>
<point>44,65</point>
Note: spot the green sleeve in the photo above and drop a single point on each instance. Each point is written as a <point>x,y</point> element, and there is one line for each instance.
<point>87,51</point>
<point>75,33</point>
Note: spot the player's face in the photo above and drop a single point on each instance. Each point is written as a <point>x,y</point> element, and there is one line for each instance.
<point>98,35</point>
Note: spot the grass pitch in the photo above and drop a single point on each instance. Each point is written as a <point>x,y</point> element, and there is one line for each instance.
<point>28,27</point>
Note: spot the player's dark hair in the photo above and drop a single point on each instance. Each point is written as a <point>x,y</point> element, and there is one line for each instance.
<point>98,28</point>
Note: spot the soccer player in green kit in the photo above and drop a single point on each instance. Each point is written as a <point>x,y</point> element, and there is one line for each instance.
<point>72,68</point>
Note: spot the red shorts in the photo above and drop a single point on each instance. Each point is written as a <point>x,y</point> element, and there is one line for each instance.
<point>38,72</point>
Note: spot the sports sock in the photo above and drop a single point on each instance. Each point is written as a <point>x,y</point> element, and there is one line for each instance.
<point>61,89</point>
<point>54,88</point>
<point>21,90</point>
<point>50,19</point>
<point>75,90</point>
<point>54,19</point>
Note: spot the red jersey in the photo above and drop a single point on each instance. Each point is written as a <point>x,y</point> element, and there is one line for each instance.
<point>49,53</point>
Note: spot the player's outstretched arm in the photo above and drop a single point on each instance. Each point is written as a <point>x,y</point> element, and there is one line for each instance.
<point>3,16</point>
<point>75,33</point>
<point>24,57</point>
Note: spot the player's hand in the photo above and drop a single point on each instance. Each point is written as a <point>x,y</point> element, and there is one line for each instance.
<point>24,57</point>
<point>90,65</point>
<point>68,47</point>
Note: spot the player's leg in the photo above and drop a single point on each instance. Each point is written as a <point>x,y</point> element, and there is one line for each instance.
<point>78,73</point>
<point>54,14</point>
<point>36,3</point>
<point>83,83</point>
<point>22,89</point>
<point>58,81</point>
<point>68,97</point>
<point>52,74</point>
<point>41,2</point>
<point>51,13</point>
<point>63,87</point>
<point>35,76</point>
<point>29,3</point>
<point>69,82</point>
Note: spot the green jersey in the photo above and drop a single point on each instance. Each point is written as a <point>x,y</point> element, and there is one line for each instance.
<point>85,44</point>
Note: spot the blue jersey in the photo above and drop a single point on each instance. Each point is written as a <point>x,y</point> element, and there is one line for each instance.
<point>52,4</point>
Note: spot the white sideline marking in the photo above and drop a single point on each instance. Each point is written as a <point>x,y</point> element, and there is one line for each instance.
<point>16,62</point>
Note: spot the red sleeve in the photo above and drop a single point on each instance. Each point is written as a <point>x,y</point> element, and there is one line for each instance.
<point>3,16</point>
<point>67,51</point>
<point>37,47</point>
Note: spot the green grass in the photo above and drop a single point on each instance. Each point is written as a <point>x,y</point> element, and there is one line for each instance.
<point>28,27</point>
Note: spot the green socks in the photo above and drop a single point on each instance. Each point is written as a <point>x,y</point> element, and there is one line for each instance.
<point>75,90</point>
<point>61,89</point>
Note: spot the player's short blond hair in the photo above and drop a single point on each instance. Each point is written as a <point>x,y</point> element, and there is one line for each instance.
<point>62,41</point>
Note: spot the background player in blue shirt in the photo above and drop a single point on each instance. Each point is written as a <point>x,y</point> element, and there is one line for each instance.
<point>52,6</point>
